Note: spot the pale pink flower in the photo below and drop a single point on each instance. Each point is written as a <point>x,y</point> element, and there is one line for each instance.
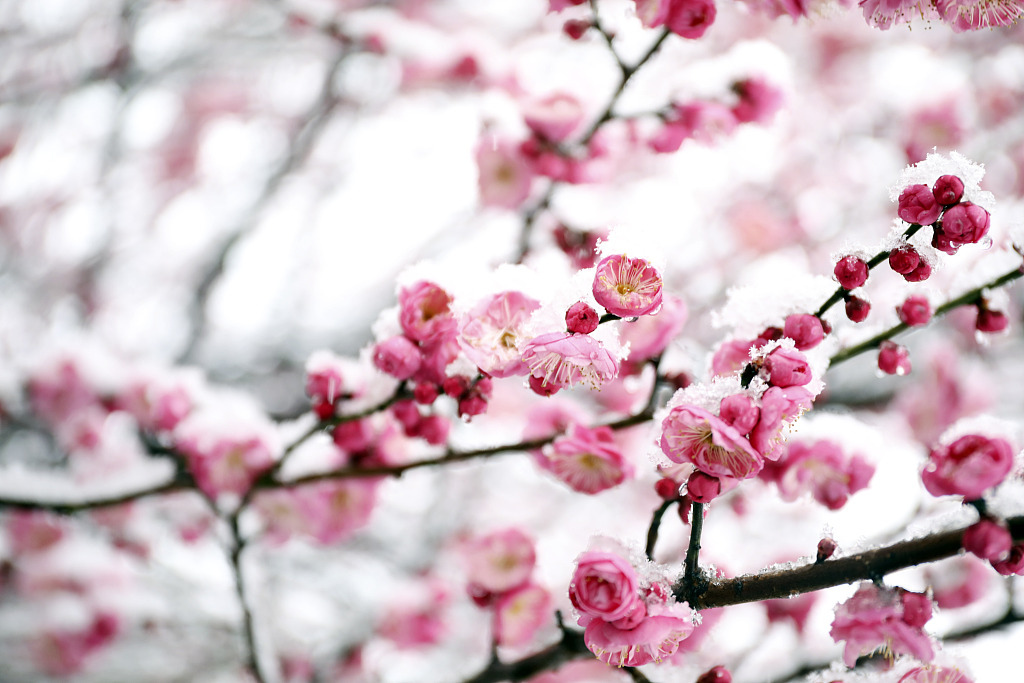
<point>627,287</point>
<point>505,176</point>
<point>225,464</point>
<point>705,122</point>
<point>967,467</point>
<point>988,539</point>
<point>732,356</point>
<point>553,117</point>
<point>959,581</point>
<point>491,333</point>
<point>890,619</point>
<point>692,434</point>
<point>398,356</point>
<point>587,460</point>
<point>604,585</point>
<point>340,508</point>
<point>651,334</point>
<point>499,561</point>
<point>62,652</point>
<point>971,15</point>
<point>884,13</point>
<point>31,531</point>
<point>935,674</point>
<point>805,330</point>
<point>787,368</point>
<point>655,638</point>
<point>59,391</point>
<point>425,312</point>
<point>759,100</point>
<point>822,469</point>
<point>417,620</point>
<point>778,406</point>
<point>562,360</point>
<point>520,613</point>
<point>325,381</point>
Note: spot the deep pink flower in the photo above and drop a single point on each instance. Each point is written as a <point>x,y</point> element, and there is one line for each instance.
<point>425,312</point>
<point>398,356</point>
<point>588,460</point>
<point>787,368</point>
<point>915,310</point>
<point>627,287</point>
<point>987,539</point>
<point>893,359</point>
<point>948,190</point>
<point>656,637</point>
<point>805,330</point>
<point>990,321</point>
<point>965,223</point>
<point>759,100</point>
<point>581,318</point>
<point>492,333</point>
<point>716,674</point>
<point>922,272</point>
<point>740,412</point>
<point>889,619</point>
<point>686,18</point>
<point>562,359</point>
<point>702,488</point>
<point>971,15</point>
<point>604,586</point>
<point>1013,563</point>
<point>904,259</point>
<point>851,272</point>
<point>692,434</point>
<point>325,382</point>
<point>857,309</point>
<point>500,561</point>
<point>917,204</point>
<point>967,467</point>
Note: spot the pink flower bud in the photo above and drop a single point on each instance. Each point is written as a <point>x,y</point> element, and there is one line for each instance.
<point>917,609</point>
<point>904,259</point>
<point>689,18</point>
<point>425,393</point>
<point>541,387</point>
<point>398,357</point>
<point>966,223</point>
<point>667,489</point>
<point>915,311</point>
<point>433,429</point>
<point>703,488</point>
<point>943,242</point>
<point>759,100</point>
<point>826,549</point>
<point>627,287</point>
<point>919,274</point>
<point>554,117</point>
<point>407,414</point>
<point>1012,563</point>
<point>716,674</point>
<point>948,190</point>
<point>917,205</point>
<point>455,387</point>
<point>991,321</point>
<point>857,309</point>
<point>805,330</point>
<point>787,368</point>
<point>967,467</point>
<point>353,436</point>
<point>740,412</point>
<point>987,539</point>
<point>575,28</point>
<point>893,359</point>
<point>851,272</point>
<point>581,318</point>
<point>425,312</point>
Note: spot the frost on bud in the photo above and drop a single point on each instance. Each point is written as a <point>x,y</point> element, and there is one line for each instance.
<point>851,272</point>
<point>826,549</point>
<point>948,190</point>
<point>917,205</point>
<point>398,357</point>
<point>893,359</point>
<point>904,259</point>
<point>581,318</point>
<point>806,331</point>
<point>627,287</point>
<point>991,321</point>
<point>988,540</point>
<point>716,674</point>
<point>915,311</point>
<point>857,309</point>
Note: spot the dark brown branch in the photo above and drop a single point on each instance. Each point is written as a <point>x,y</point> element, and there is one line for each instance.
<point>70,507</point>
<point>868,565</point>
<point>652,530</point>
<point>569,648</point>
<point>248,627</point>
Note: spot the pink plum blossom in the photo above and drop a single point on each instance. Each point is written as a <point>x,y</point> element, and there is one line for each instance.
<point>917,204</point>
<point>805,330</point>
<point>972,15</point>
<point>851,272</point>
<point>651,334</point>
<point>857,309</point>
<point>692,434</point>
<point>935,674</point>
<point>732,356</point>
<point>30,531</point>
<point>987,539</point>
<point>686,18</point>
<point>655,638</point>
<point>398,356</point>
<point>580,318</point>
<point>587,460</point>
<point>740,412</point>
<point>604,586</point>
<point>520,613</point>
<point>778,407</point>
<point>561,359</point>
<point>948,190</point>
<point>787,368</point>
<point>627,287</point>
<point>822,469</point>
<point>915,310</point>
<point>891,619</point>
<point>491,333</point>
<point>959,581</point>
<point>226,464</point>
<point>505,177</point>
<point>499,561</point>
<point>965,223</point>
<point>327,512</point>
<point>759,100</point>
<point>893,359</point>
<point>62,652</point>
<point>425,312</point>
<point>553,117</point>
<point>967,467</point>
